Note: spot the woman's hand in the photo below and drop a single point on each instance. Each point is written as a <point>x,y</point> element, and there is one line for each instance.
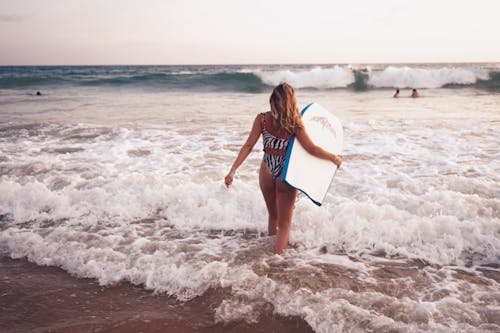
<point>337,159</point>
<point>229,178</point>
<point>245,150</point>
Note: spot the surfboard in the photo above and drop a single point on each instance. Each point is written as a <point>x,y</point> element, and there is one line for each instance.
<point>311,175</point>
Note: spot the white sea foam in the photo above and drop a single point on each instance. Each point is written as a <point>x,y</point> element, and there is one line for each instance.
<point>321,78</point>
<point>335,309</point>
<point>111,180</point>
<point>145,203</point>
<point>408,77</point>
<point>389,77</point>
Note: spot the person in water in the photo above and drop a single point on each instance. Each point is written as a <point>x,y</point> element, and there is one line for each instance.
<point>277,127</point>
<point>414,93</point>
<point>396,94</point>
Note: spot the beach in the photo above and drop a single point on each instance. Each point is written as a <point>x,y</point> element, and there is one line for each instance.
<point>114,216</point>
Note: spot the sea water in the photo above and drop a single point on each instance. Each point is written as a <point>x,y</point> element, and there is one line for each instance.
<point>116,174</point>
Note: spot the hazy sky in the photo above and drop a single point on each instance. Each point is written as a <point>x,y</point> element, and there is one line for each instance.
<point>250,31</point>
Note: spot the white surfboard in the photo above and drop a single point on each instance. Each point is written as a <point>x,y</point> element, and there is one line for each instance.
<point>309,174</point>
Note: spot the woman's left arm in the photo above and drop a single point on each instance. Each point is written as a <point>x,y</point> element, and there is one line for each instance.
<point>317,151</point>
<point>245,149</point>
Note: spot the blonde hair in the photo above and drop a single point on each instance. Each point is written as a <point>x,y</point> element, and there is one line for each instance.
<point>284,110</point>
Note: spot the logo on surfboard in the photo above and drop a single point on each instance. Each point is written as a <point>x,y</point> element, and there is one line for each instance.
<point>323,121</point>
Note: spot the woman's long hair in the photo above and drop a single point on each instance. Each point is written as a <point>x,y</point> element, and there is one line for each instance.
<point>284,110</point>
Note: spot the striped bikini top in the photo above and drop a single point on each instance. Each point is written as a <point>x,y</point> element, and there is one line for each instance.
<point>272,144</point>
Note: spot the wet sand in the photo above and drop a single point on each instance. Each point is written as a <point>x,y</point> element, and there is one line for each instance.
<point>47,299</point>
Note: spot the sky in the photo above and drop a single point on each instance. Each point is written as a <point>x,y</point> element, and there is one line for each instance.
<point>93,32</point>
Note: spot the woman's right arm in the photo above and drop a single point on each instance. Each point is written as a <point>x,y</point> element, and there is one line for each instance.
<point>311,148</point>
<point>245,150</point>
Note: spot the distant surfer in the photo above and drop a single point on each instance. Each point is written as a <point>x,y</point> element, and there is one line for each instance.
<point>277,127</point>
<point>396,94</point>
<point>38,93</point>
<point>414,93</point>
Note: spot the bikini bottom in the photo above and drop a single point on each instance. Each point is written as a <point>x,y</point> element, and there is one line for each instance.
<point>275,163</point>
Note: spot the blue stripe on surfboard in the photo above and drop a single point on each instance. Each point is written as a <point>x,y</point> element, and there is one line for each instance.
<point>289,150</point>
<point>287,159</point>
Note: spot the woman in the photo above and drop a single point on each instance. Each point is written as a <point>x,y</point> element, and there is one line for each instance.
<point>277,127</point>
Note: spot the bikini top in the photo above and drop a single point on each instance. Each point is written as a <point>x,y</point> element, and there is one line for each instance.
<point>272,144</point>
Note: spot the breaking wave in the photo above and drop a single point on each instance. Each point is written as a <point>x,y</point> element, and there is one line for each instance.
<point>249,79</point>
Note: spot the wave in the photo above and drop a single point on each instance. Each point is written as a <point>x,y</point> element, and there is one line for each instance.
<point>244,82</point>
<point>407,77</point>
<point>320,78</point>
<point>250,79</point>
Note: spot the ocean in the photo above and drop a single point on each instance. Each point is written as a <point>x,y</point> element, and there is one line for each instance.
<point>112,190</point>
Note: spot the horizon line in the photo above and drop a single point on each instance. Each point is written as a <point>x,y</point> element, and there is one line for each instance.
<point>256,64</point>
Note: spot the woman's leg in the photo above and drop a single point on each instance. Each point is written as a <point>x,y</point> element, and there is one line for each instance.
<point>268,188</point>
<point>286,196</point>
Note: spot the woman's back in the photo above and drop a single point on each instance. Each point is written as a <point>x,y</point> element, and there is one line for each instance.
<point>273,137</point>
<point>275,145</point>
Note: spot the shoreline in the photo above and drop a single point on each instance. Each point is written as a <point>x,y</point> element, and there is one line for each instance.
<point>48,299</point>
